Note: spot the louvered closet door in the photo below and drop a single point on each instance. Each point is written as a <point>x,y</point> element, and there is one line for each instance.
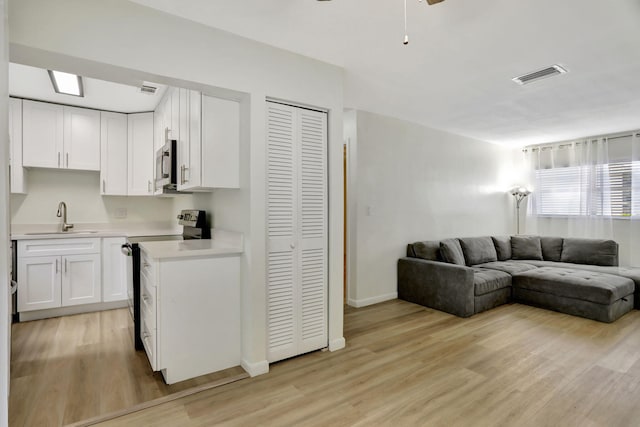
<point>296,228</point>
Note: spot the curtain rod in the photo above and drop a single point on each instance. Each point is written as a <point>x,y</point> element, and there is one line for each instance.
<point>549,146</point>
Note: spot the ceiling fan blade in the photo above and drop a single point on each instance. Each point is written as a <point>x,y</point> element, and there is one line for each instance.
<point>434,1</point>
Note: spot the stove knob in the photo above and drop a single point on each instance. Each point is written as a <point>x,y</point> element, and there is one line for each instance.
<point>180,216</point>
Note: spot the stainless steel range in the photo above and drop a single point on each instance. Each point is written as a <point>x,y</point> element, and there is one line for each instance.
<point>194,226</point>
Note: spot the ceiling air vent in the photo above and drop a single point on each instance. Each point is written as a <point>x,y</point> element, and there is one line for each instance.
<point>554,70</point>
<point>148,89</point>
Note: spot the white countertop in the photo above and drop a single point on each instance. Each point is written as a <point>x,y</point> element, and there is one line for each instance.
<point>221,243</point>
<point>49,231</point>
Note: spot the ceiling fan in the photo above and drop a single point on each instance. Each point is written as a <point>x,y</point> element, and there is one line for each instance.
<point>406,36</point>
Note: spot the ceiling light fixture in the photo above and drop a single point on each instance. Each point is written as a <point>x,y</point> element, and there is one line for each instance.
<point>66,83</point>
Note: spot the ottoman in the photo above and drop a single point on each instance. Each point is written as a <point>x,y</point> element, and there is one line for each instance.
<point>598,296</point>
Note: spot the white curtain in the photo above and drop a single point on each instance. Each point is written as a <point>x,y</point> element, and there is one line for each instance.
<point>571,190</point>
<point>587,189</point>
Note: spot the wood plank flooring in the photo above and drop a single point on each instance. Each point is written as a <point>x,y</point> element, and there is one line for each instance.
<point>71,368</point>
<point>406,365</point>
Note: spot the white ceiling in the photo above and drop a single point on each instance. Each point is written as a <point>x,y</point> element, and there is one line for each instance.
<point>34,83</point>
<point>456,72</point>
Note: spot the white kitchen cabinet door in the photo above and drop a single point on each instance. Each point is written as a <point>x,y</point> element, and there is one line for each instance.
<point>174,127</point>
<point>184,141</point>
<point>141,155</point>
<point>193,164</point>
<point>81,139</point>
<point>18,173</point>
<point>296,231</point>
<point>81,279</point>
<point>42,134</point>
<point>38,283</point>
<point>113,157</point>
<point>220,143</point>
<point>114,270</point>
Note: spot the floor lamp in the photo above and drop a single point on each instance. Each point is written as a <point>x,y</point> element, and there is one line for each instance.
<point>520,193</point>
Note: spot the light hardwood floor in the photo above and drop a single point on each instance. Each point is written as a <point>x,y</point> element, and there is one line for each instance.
<point>406,365</point>
<point>71,368</point>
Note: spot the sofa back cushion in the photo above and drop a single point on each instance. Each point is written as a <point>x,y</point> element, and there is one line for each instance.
<point>590,251</point>
<point>478,250</point>
<point>451,251</point>
<point>503,247</point>
<point>429,250</point>
<point>551,248</point>
<point>526,247</point>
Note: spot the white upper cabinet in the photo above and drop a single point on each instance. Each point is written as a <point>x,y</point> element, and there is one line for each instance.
<point>56,136</point>
<point>18,173</point>
<point>209,149</point>
<point>113,157</point>
<point>81,139</point>
<point>220,143</point>
<point>42,134</point>
<point>141,155</point>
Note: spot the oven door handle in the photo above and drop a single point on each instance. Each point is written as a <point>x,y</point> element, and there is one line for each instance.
<point>126,249</point>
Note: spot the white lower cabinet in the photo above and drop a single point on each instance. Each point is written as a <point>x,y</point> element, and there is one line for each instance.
<point>39,283</point>
<point>114,270</point>
<point>81,282</point>
<point>55,273</point>
<point>190,315</point>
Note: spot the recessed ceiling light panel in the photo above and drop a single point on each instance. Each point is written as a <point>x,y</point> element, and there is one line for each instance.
<point>66,83</point>
<point>551,71</point>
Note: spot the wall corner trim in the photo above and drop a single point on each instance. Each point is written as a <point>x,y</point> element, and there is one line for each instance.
<point>357,303</point>
<point>337,344</point>
<point>256,368</point>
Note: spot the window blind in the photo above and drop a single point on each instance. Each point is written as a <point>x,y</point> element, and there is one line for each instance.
<point>603,190</point>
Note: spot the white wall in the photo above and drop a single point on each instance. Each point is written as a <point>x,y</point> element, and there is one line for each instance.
<point>81,192</point>
<point>102,39</point>
<point>408,183</point>
<point>5,301</point>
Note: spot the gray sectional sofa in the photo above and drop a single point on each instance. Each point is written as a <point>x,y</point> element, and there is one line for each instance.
<point>465,276</point>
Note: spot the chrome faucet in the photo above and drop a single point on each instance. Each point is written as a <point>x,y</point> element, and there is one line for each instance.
<point>62,212</point>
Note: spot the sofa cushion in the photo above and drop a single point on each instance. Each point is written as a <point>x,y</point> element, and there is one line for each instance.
<point>478,250</point>
<point>590,251</point>
<point>503,247</point>
<point>583,285</point>
<point>551,248</point>
<point>526,247</point>
<point>429,250</point>
<point>509,267</point>
<point>451,251</point>
<point>486,281</point>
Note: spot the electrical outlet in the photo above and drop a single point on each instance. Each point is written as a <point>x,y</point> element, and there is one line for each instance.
<point>120,213</point>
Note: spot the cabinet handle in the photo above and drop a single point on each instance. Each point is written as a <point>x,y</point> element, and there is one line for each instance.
<point>58,159</point>
<point>166,134</point>
<point>148,186</point>
<point>146,265</point>
<point>103,187</point>
<point>183,175</point>
<point>67,159</point>
<point>65,265</point>
<point>292,245</point>
<point>57,268</point>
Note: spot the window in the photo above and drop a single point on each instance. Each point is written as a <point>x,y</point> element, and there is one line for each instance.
<point>603,190</point>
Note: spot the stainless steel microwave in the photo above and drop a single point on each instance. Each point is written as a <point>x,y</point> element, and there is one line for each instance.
<point>166,166</point>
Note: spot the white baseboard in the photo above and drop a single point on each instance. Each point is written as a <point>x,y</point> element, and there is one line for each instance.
<point>337,344</point>
<point>255,369</point>
<point>26,316</point>
<point>357,303</point>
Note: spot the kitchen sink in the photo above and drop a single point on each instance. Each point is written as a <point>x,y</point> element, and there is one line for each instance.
<point>42,233</point>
